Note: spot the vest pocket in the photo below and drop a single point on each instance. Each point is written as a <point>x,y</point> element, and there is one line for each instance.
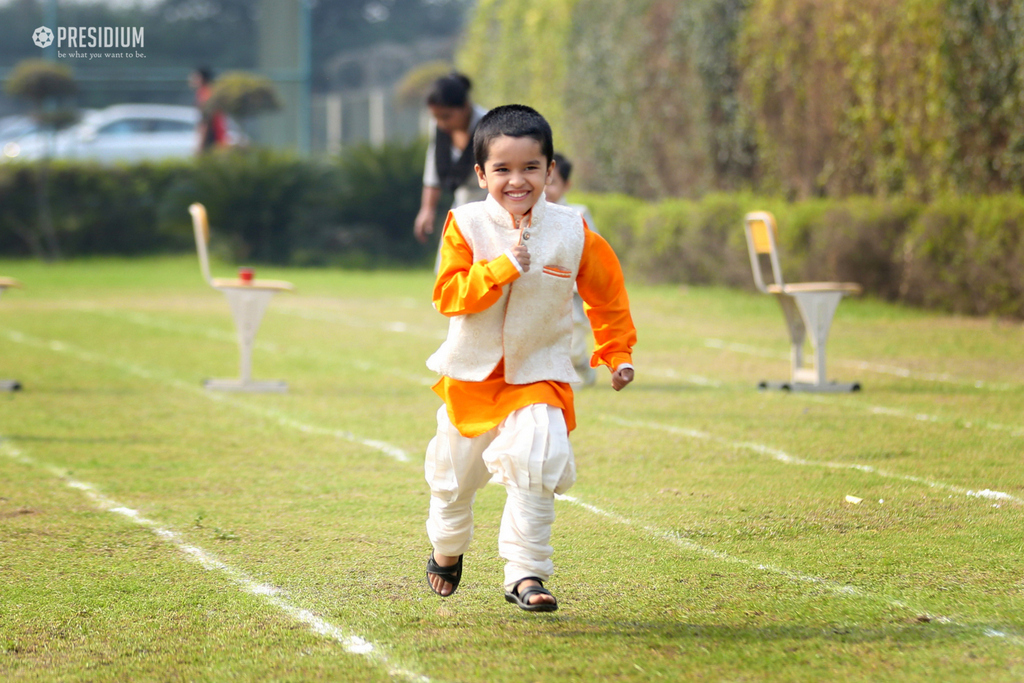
<point>558,271</point>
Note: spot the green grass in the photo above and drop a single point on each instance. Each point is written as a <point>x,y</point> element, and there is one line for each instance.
<point>703,554</point>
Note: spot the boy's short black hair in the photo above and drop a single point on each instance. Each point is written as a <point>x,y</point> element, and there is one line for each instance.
<point>563,166</point>
<point>515,121</point>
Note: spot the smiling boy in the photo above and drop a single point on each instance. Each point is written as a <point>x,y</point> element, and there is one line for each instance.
<point>508,265</point>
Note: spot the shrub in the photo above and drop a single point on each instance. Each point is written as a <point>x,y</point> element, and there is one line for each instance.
<point>96,209</point>
<point>243,95</point>
<point>255,199</point>
<point>503,71</point>
<point>860,240</point>
<point>961,254</point>
<point>675,240</point>
<point>967,255</point>
<point>635,98</point>
<point>985,77</point>
<point>377,201</point>
<point>803,98</point>
<point>264,206</point>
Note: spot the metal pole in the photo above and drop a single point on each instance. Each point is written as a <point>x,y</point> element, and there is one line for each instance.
<point>378,131</point>
<point>333,105</point>
<point>306,86</point>
<point>50,21</point>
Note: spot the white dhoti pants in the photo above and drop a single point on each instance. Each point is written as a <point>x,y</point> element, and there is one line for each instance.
<point>530,455</point>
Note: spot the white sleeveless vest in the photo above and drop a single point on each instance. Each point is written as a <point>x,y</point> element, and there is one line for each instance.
<point>531,324</point>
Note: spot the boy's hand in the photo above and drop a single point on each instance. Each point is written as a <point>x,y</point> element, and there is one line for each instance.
<point>622,377</point>
<point>522,254</point>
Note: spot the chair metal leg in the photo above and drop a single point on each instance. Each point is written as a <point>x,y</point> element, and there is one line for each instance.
<point>247,309</point>
<point>817,309</point>
<point>9,384</point>
<point>797,330</point>
<point>809,313</point>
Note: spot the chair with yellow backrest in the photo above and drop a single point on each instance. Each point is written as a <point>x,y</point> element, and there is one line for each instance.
<point>248,300</point>
<point>9,384</point>
<point>807,306</point>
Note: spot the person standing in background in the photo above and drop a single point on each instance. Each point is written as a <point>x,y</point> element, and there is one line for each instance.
<point>212,129</point>
<point>449,164</point>
<point>582,338</point>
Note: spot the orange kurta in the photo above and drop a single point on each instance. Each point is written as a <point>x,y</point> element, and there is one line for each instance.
<point>465,287</point>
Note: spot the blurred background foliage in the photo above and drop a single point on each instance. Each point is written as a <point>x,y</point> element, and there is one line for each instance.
<point>886,135</point>
<point>223,33</point>
<point>957,253</point>
<point>264,206</point>
<point>801,98</point>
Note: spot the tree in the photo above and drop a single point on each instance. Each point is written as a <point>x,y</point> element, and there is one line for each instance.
<point>46,87</point>
<point>414,86</point>
<point>243,95</point>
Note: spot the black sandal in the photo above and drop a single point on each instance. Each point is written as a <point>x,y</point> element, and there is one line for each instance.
<point>523,599</point>
<point>451,574</point>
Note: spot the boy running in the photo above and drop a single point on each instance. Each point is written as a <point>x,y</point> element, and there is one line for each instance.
<point>508,266</point>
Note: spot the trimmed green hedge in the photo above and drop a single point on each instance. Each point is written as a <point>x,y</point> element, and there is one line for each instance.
<point>961,254</point>
<point>95,210</point>
<point>264,207</point>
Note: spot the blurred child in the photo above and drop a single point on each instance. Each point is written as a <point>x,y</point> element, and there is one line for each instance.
<point>508,266</point>
<point>212,129</point>
<point>557,186</point>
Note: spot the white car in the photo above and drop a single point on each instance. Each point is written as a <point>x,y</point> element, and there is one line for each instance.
<point>121,133</point>
<point>13,127</point>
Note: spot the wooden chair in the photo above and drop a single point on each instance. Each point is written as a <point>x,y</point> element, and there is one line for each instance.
<point>9,384</point>
<point>248,300</point>
<point>807,306</point>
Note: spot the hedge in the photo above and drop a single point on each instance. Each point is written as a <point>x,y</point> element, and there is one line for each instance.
<point>962,254</point>
<point>958,254</point>
<point>264,206</point>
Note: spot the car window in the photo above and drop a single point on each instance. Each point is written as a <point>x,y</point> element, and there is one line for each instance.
<point>124,127</point>
<point>171,126</point>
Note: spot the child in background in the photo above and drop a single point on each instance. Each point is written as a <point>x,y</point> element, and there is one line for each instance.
<point>508,267</point>
<point>557,186</point>
<point>212,129</point>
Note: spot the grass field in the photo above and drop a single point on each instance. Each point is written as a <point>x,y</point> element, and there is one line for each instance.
<point>152,531</point>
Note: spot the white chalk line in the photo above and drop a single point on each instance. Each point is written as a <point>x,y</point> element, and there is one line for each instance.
<point>698,380</point>
<point>833,587</point>
<point>880,368</point>
<point>1009,430</point>
<point>422,380</point>
<point>664,372</point>
<point>353,644</point>
<point>401,456</point>
<point>783,457</point>
<point>669,536</point>
<point>685,543</point>
<point>281,418</point>
<point>396,326</point>
<point>963,423</point>
<point>154,322</point>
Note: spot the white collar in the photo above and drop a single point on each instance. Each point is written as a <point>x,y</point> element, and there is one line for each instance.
<point>503,218</point>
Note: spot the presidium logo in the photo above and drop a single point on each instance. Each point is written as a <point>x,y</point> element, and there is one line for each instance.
<point>92,37</point>
<point>42,37</point>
